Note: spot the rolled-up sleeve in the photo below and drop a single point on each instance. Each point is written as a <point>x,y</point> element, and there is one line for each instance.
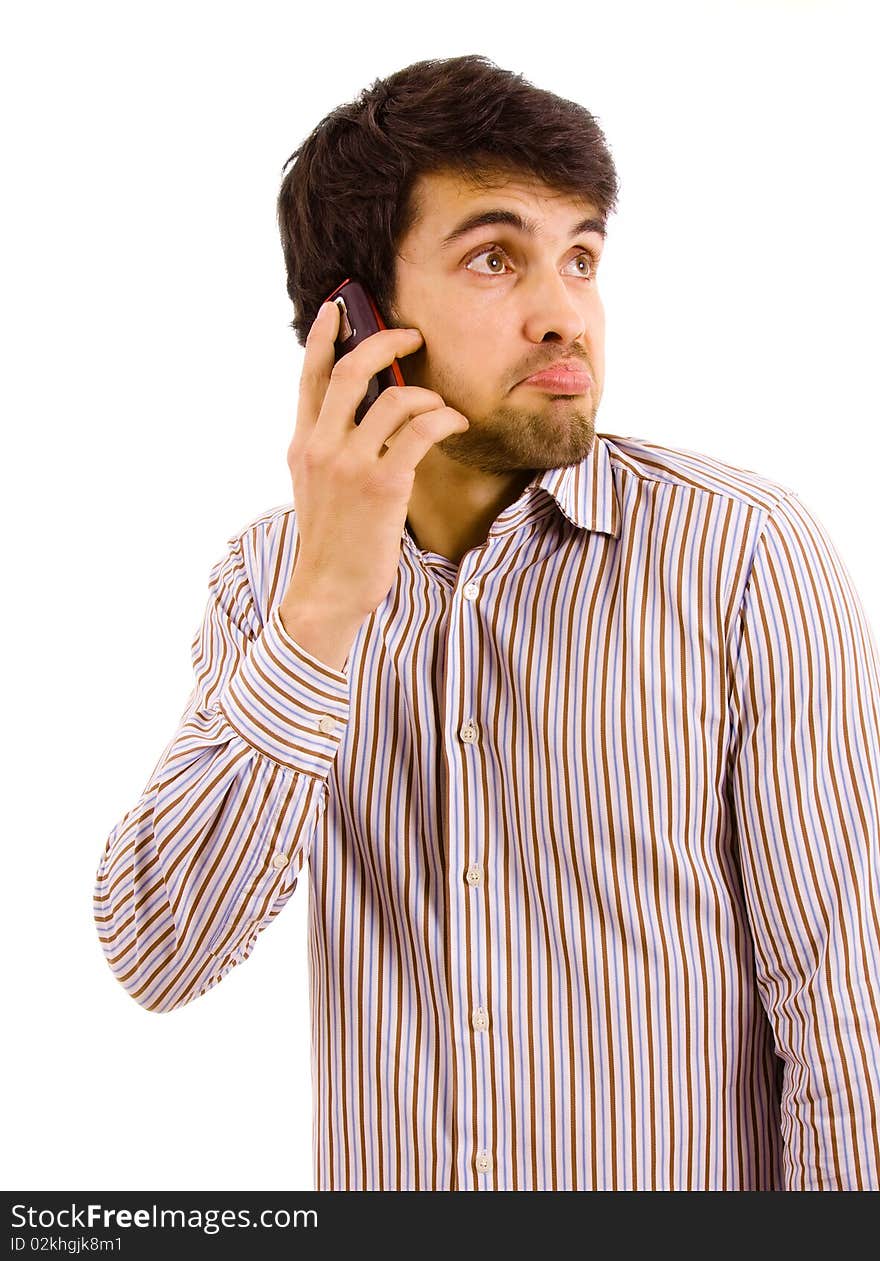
<point>805,789</point>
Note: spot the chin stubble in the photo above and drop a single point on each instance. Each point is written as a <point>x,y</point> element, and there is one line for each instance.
<point>510,440</point>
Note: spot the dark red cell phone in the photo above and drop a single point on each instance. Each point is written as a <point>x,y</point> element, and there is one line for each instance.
<point>359,318</point>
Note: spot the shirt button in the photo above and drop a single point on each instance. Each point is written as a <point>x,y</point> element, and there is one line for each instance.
<point>474,874</point>
<point>326,723</point>
<point>279,861</point>
<point>481,1018</point>
<point>470,591</point>
<point>469,733</point>
<point>484,1161</point>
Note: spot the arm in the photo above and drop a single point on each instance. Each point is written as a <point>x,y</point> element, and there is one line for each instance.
<point>805,789</point>
<point>212,850</point>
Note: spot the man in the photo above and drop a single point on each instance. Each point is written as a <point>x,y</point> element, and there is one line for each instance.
<point>578,734</point>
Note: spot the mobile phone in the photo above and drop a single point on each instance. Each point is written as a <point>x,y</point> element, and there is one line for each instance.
<point>360,318</point>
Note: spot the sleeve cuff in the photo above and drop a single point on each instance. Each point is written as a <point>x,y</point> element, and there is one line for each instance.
<point>287,703</point>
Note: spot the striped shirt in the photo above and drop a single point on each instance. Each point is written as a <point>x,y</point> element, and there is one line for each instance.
<point>591,831</point>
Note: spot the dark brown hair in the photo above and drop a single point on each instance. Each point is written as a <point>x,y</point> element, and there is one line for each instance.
<point>345,204</point>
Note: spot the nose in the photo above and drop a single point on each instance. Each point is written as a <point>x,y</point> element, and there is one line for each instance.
<point>553,308</point>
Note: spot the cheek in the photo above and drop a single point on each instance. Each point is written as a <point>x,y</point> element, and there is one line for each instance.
<point>474,365</point>
<point>462,377</point>
<point>448,348</point>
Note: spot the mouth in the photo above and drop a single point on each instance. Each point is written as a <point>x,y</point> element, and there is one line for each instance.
<point>560,382</point>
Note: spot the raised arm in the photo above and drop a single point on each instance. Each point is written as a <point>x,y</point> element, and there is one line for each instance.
<point>211,852</point>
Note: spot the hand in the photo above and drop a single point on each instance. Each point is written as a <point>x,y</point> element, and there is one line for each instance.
<point>351,484</point>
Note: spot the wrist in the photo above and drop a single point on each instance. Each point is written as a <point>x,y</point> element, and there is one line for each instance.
<point>322,630</point>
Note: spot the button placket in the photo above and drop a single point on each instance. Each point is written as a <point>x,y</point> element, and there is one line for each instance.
<point>470,591</point>
<point>480,1020</point>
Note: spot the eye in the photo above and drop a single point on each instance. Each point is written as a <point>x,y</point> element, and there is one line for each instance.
<point>591,259</point>
<point>493,252</point>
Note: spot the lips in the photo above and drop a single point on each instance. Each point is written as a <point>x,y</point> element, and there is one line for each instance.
<point>560,381</point>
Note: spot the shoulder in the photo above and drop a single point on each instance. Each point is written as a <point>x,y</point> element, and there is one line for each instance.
<point>694,470</point>
<point>263,551</point>
<point>269,525</point>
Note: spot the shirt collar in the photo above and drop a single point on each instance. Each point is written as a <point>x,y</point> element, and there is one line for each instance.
<point>584,493</point>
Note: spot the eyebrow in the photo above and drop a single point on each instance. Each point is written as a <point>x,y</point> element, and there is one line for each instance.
<point>484,218</point>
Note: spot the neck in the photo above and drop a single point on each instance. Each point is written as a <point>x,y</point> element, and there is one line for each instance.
<point>452,507</point>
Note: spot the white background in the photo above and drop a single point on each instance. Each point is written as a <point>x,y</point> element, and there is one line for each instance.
<point>149,397</point>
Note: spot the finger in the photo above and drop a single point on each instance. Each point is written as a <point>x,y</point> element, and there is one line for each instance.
<point>350,377</point>
<point>391,411</point>
<point>319,359</point>
<point>418,435</point>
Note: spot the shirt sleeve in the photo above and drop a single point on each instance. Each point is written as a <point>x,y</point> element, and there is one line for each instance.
<point>805,785</point>
<point>211,852</point>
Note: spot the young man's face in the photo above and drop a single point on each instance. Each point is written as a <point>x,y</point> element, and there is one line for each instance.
<point>496,305</point>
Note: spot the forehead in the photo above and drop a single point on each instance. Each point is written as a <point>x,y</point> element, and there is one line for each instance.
<point>439,199</point>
